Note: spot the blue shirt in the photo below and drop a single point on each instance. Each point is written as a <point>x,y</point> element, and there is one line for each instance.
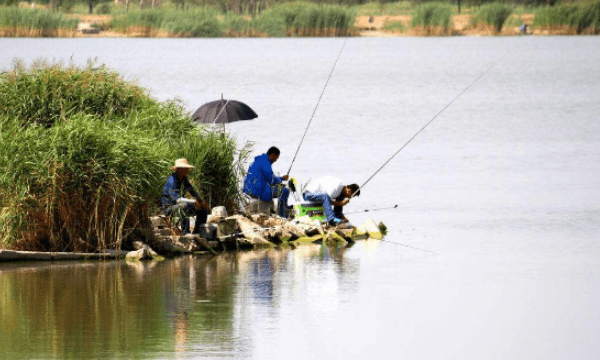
<point>171,190</point>
<point>260,178</point>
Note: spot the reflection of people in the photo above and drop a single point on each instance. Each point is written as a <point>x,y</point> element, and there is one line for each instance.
<point>260,181</point>
<point>330,191</point>
<point>174,204</point>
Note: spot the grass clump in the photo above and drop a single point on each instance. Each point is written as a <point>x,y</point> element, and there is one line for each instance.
<point>570,18</point>
<point>51,93</point>
<point>432,18</point>
<point>90,178</point>
<point>17,22</point>
<point>396,26</point>
<point>493,14</point>
<point>200,22</point>
<point>305,19</point>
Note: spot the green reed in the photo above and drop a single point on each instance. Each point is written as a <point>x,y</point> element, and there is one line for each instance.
<point>432,16</point>
<point>305,19</point>
<point>201,22</point>
<point>575,18</point>
<point>34,22</point>
<point>493,14</point>
<point>81,177</point>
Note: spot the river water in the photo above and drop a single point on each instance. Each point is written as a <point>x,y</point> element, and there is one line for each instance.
<point>502,185</point>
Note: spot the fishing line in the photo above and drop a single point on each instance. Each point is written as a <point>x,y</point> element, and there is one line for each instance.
<point>318,101</point>
<point>427,124</point>
<point>227,102</point>
<point>411,247</point>
<point>376,209</point>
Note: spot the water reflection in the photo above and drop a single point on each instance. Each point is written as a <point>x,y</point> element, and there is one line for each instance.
<point>184,306</point>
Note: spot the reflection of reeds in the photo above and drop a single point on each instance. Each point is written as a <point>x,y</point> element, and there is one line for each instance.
<point>573,18</point>
<point>432,19</point>
<point>85,156</point>
<point>494,15</point>
<point>17,22</point>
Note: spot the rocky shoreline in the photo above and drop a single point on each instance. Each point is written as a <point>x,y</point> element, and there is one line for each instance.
<point>220,234</point>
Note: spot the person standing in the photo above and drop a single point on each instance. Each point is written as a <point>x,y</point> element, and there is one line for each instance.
<point>333,194</point>
<point>260,181</point>
<point>174,204</point>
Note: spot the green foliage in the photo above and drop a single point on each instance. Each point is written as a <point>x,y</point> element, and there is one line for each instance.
<point>578,16</point>
<point>47,94</point>
<point>305,19</point>
<point>433,14</point>
<point>35,19</point>
<point>195,23</point>
<point>494,14</point>
<point>397,26</point>
<point>92,175</point>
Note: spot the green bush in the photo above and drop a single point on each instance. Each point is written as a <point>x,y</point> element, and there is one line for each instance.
<point>90,177</point>
<point>305,19</point>
<point>579,17</point>
<point>494,14</point>
<point>35,21</point>
<point>431,15</point>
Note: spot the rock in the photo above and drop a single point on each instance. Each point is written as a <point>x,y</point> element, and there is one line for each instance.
<point>159,222</point>
<point>138,255</point>
<point>140,245</point>
<point>369,227</point>
<point>254,233</point>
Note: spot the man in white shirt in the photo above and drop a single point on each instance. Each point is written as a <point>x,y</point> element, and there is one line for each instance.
<point>330,192</point>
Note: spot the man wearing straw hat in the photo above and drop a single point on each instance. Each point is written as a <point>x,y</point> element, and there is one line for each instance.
<point>174,204</point>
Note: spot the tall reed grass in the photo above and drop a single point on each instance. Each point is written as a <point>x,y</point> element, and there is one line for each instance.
<point>305,19</point>
<point>200,22</point>
<point>432,18</point>
<point>494,15</point>
<point>81,177</point>
<point>19,22</point>
<point>571,18</point>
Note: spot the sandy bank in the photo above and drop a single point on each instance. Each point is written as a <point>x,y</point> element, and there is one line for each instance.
<point>364,27</point>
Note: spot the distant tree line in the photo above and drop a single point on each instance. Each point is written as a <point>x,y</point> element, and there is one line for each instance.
<point>253,7</point>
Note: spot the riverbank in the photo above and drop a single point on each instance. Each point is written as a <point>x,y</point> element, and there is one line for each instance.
<point>92,26</point>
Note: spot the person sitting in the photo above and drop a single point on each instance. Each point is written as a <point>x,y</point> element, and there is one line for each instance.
<point>523,29</point>
<point>260,181</point>
<point>173,204</point>
<point>333,194</point>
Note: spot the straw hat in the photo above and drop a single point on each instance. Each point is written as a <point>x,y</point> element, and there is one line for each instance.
<point>182,164</point>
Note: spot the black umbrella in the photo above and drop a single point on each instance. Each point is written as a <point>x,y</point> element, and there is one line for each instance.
<point>233,111</point>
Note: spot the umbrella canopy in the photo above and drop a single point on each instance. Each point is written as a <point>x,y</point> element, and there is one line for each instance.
<point>234,111</point>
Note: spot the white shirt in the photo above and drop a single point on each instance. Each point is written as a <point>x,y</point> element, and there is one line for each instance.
<point>327,184</point>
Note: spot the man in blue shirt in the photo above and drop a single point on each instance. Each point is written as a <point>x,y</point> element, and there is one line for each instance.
<point>173,204</point>
<point>260,180</point>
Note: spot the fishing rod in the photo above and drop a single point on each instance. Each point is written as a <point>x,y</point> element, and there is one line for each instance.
<point>376,209</point>
<point>318,101</point>
<point>427,124</point>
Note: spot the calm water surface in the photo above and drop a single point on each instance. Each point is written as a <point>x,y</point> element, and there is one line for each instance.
<point>503,185</point>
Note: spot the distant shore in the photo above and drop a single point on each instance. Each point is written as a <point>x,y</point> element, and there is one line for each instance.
<point>365,26</point>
